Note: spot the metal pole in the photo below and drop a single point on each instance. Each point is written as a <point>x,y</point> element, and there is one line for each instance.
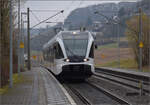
<point>149,38</point>
<point>0,44</point>
<point>11,45</point>
<point>118,32</point>
<point>140,47</point>
<point>118,46</point>
<point>28,28</point>
<point>23,41</point>
<point>21,49</point>
<point>18,36</point>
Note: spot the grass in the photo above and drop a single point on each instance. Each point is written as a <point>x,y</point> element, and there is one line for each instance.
<point>113,45</point>
<point>33,52</point>
<point>124,64</point>
<point>17,79</point>
<point>4,90</point>
<point>123,39</point>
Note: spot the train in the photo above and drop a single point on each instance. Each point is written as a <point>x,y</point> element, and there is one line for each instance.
<point>70,55</point>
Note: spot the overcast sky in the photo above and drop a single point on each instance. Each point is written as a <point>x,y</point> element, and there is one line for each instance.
<point>56,5</point>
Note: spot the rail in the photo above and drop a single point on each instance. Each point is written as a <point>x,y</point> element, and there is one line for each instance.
<point>110,94</point>
<point>136,76</point>
<point>80,96</point>
<point>123,78</point>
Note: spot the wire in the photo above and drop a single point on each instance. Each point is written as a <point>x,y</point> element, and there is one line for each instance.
<point>35,16</point>
<point>67,8</point>
<point>111,20</point>
<point>45,10</point>
<point>81,2</point>
<point>63,16</point>
<point>48,18</point>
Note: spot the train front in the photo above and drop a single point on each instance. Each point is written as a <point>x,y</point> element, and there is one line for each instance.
<point>79,51</point>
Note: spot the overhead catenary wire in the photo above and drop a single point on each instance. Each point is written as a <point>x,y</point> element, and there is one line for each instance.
<point>48,18</point>
<point>66,9</point>
<point>45,10</point>
<point>113,21</point>
<point>78,0</point>
<point>35,16</point>
<point>81,2</point>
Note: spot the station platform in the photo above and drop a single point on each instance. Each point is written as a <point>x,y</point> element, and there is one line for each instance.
<point>39,87</point>
<point>145,74</point>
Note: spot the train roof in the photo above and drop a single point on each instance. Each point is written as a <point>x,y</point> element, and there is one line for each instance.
<point>65,34</point>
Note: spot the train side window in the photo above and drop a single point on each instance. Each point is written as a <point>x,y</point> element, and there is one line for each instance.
<point>91,55</point>
<point>55,51</point>
<point>59,53</point>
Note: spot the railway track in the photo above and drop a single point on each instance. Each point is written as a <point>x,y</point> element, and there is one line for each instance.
<point>80,96</point>
<point>99,92</point>
<point>83,91</point>
<point>126,75</point>
<point>127,80</point>
<point>113,96</point>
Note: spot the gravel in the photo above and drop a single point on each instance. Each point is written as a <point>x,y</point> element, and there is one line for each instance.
<point>122,91</point>
<point>95,96</point>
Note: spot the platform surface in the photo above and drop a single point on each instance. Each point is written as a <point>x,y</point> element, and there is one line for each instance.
<point>38,88</point>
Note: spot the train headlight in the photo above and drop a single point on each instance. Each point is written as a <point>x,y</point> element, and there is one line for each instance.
<point>66,60</point>
<point>74,32</point>
<point>85,60</point>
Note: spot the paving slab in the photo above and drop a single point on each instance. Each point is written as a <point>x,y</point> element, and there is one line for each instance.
<point>21,93</point>
<point>38,88</point>
<point>57,95</point>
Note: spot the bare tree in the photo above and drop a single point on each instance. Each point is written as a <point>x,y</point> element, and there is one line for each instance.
<point>4,40</point>
<point>134,39</point>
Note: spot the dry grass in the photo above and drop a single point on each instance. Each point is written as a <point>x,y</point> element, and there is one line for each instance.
<point>129,64</point>
<point>108,56</point>
<point>124,63</point>
<point>17,79</point>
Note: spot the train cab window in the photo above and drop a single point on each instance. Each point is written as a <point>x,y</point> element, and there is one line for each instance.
<point>58,51</point>
<point>91,55</point>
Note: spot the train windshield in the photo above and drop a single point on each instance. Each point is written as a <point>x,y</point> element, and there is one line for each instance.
<point>76,45</point>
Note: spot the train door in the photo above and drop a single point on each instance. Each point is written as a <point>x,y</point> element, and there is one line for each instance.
<point>58,56</point>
